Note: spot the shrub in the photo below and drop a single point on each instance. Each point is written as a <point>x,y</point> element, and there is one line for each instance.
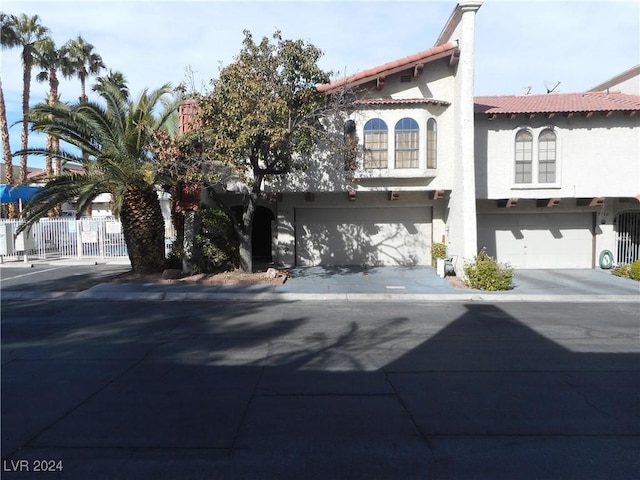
<point>438,250</point>
<point>634,271</point>
<point>485,273</point>
<point>622,270</point>
<point>216,241</point>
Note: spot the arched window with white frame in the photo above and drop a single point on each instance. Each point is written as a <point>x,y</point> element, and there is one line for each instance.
<point>432,137</point>
<point>547,156</point>
<point>523,156</point>
<point>376,144</point>
<point>407,144</point>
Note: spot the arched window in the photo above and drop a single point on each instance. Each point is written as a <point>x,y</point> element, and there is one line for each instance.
<point>523,156</point>
<point>547,156</point>
<point>375,144</point>
<point>407,143</point>
<point>432,158</point>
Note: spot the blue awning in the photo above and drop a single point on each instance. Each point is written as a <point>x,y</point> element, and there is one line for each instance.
<point>14,194</point>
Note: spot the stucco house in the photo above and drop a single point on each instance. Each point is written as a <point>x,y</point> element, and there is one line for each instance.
<point>541,181</point>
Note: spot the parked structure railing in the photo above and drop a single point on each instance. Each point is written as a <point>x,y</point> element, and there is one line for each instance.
<point>51,238</point>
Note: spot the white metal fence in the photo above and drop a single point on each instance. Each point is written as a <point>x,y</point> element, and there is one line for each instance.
<point>628,236</point>
<point>51,238</point>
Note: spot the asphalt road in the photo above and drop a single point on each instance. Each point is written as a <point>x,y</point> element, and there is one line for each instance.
<point>317,390</point>
<point>61,277</point>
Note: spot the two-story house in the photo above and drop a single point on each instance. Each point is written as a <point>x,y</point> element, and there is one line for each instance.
<point>558,176</point>
<point>408,188</point>
<point>541,181</point>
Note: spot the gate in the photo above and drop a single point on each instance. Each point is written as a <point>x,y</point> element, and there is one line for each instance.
<point>628,236</point>
<point>91,237</point>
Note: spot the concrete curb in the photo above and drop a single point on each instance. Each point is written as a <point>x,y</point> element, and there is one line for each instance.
<point>315,297</point>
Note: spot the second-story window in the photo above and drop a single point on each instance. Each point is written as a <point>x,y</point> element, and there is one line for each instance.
<point>547,156</point>
<point>523,156</point>
<point>432,159</point>
<point>407,143</point>
<point>375,144</point>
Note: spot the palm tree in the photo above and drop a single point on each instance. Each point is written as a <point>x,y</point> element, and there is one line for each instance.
<point>29,33</point>
<point>115,78</point>
<point>82,62</point>
<point>50,59</point>
<point>116,137</point>
<point>7,40</point>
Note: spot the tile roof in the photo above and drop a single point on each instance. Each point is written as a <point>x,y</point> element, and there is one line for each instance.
<point>557,103</point>
<point>401,101</point>
<point>393,67</point>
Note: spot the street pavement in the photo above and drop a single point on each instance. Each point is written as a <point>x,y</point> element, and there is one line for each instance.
<point>139,382</point>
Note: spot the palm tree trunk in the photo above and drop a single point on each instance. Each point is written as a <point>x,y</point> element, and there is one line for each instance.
<point>52,141</point>
<point>6,150</point>
<point>143,229</point>
<point>26,91</point>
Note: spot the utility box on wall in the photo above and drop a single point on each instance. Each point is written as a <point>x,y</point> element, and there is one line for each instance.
<point>6,239</point>
<point>24,241</point>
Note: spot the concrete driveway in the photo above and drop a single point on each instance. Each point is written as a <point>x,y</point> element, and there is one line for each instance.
<point>424,280</point>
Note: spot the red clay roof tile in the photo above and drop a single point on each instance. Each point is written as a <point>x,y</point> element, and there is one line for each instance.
<point>392,67</point>
<point>557,103</point>
<point>401,101</point>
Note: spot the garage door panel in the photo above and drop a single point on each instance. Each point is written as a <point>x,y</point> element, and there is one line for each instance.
<point>382,236</point>
<point>561,240</point>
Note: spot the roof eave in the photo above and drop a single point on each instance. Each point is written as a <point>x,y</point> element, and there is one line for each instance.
<point>413,61</point>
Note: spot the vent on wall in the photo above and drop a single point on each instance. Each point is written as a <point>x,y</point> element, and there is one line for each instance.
<point>405,78</point>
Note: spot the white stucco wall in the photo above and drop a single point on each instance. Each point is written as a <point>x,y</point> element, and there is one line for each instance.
<point>596,157</point>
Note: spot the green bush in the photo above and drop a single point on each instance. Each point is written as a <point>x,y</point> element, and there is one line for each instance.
<point>438,250</point>
<point>485,273</point>
<point>634,271</point>
<point>216,241</point>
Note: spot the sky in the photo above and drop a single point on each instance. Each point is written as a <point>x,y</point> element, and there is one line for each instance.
<point>519,44</point>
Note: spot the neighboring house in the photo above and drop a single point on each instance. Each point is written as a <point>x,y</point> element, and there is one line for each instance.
<point>541,181</point>
<point>558,178</point>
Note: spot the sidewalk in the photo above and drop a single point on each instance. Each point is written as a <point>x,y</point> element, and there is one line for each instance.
<point>379,284</point>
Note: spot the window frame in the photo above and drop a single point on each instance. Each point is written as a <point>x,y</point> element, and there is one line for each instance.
<point>406,156</point>
<point>547,162</point>
<point>432,143</point>
<point>523,157</point>
<point>378,157</point>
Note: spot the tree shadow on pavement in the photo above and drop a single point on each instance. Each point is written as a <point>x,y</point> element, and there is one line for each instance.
<point>255,390</point>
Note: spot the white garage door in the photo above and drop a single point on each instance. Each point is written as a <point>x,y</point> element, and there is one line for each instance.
<point>363,236</point>
<point>538,240</point>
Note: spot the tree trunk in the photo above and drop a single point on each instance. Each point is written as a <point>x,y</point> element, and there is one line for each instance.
<point>189,242</point>
<point>244,236</point>
<point>143,229</point>
<point>52,142</point>
<point>6,150</point>
<point>246,253</point>
<point>26,90</point>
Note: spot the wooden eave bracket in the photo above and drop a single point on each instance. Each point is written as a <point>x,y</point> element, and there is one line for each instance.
<point>380,82</point>
<point>437,194</point>
<point>596,202</point>
<point>548,202</point>
<point>507,203</point>
<point>455,58</point>
<point>418,69</point>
